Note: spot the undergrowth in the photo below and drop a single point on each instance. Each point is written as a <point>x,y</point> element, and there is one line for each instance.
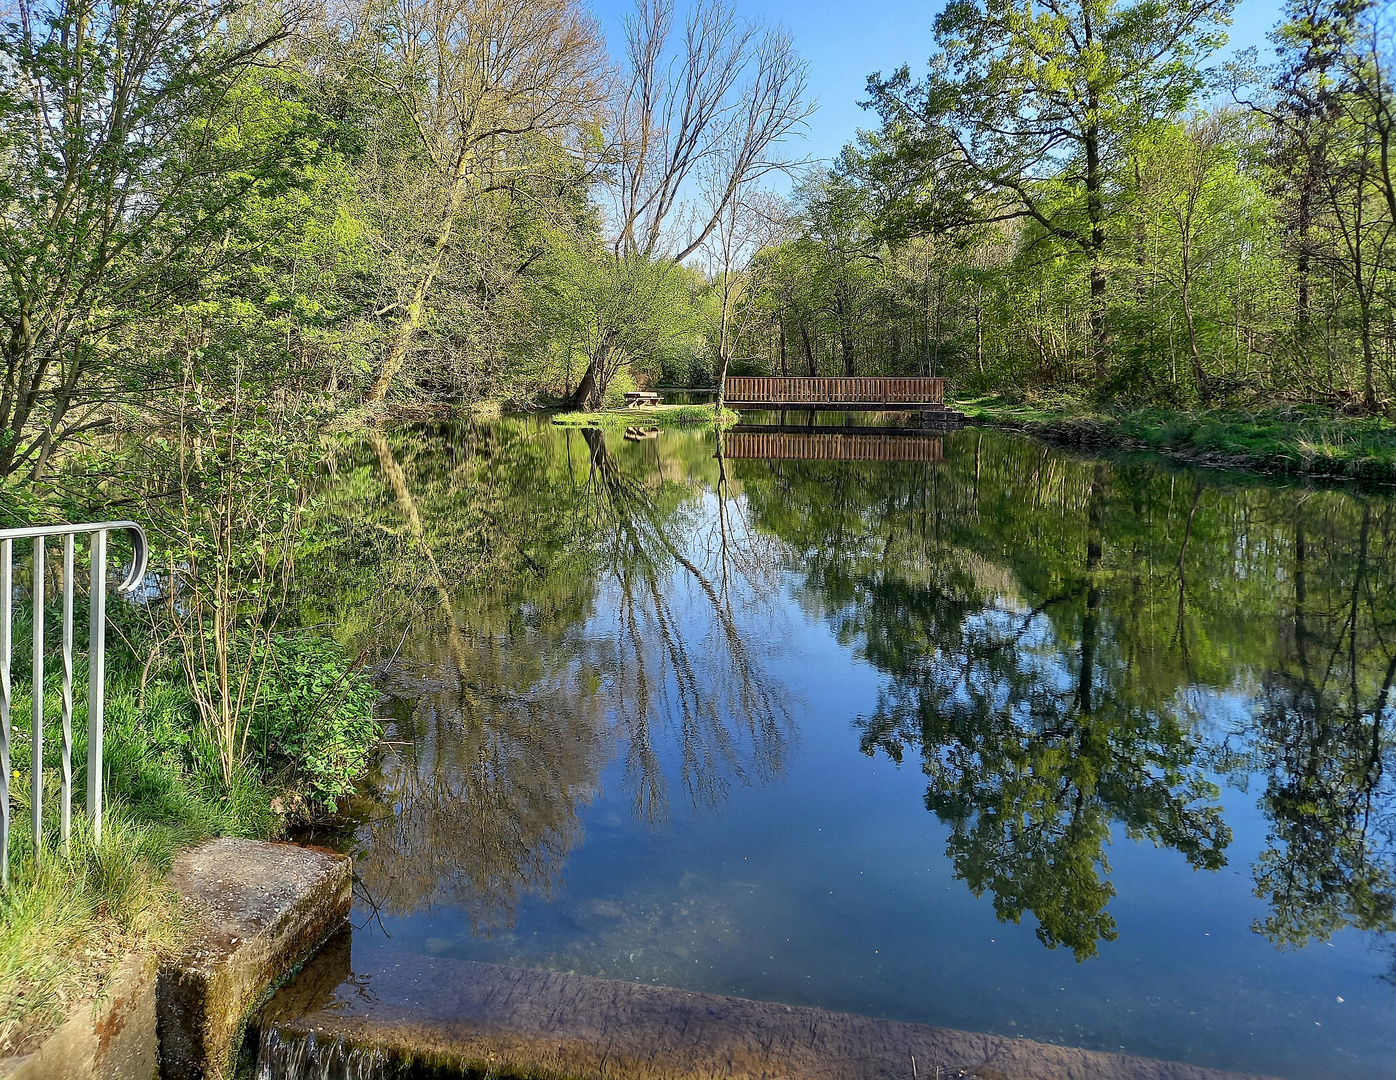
<point>1289,439</point>
<point>66,920</point>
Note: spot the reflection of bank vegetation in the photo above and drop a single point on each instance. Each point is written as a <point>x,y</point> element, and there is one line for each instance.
<point>694,667</point>
<point>1056,636</point>
<point>493,561</point>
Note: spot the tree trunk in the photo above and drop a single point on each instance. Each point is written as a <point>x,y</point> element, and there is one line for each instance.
<point>1095,211</point>
<point>979,338</point>
<point>412,318</point>
<point>1301,230</point>
<point>1369,392</point>
<point>587,396</point>
<point>1199,374</point>
<point>809,351</point>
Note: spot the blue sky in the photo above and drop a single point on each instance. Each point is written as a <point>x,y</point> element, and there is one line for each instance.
<point>845,42</point>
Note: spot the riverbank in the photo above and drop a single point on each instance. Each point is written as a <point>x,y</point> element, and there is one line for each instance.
<point>1290,441</point>
<point>648,416</point>
<point>68,920</point>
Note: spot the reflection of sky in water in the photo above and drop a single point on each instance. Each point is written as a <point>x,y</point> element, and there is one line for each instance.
<point>767,857</point>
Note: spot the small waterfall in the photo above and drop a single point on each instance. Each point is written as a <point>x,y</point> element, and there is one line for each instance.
<point>304,1057</point>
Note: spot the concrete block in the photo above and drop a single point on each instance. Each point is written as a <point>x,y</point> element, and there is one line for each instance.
<point>263,908</point>
<point>112,1038</point>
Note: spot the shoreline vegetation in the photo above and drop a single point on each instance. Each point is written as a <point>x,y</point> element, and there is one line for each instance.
<point>236,232</point>
<point>650,416</point>
<point>68,919</point>
<point>1292,441</point>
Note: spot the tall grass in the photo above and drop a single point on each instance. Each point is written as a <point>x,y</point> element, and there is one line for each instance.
<point>66,920</point>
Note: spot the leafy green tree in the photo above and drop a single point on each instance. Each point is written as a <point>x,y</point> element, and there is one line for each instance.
<point>614,312</point>
<point>1037,105</point>
<point>129,135</point>
<point>485,86</point>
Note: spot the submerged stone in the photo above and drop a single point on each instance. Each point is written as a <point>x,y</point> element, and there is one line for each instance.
<point>396,1015</point>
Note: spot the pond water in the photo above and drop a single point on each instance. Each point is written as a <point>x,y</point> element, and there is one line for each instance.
<point>1094,752</point>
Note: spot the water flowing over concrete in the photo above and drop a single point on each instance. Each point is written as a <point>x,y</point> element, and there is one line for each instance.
<point>396,1014</point>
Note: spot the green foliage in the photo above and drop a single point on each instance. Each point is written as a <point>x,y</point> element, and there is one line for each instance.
<point>314,730</point>
<point>618,316</point>
<point>1290,440</point>
<point>67,921</point>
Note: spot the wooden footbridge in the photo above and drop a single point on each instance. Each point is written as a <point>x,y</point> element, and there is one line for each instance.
<point>837,394</point>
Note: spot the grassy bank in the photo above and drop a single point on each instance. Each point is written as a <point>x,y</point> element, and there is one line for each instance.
<point>67,920</point>
<point>654,416</point>
<point>1291,440</point>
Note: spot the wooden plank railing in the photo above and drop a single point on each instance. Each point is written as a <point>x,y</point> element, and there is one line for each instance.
<point>836,391</point>
<point>788,446</point>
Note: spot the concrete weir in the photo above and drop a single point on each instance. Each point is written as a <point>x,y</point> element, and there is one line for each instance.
<point>401,1015</point>
<point>261,909</point>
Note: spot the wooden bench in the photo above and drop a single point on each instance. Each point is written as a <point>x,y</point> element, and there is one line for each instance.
<point>634,399</point>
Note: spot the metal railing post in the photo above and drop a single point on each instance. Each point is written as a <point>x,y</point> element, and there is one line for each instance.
<point>96,682</point>
<point>36,810</point>
<point>66,793</point>
<point>96,677</point>
<point>7,591</point>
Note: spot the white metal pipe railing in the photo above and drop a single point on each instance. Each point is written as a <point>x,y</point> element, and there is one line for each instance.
<point>96,670</point>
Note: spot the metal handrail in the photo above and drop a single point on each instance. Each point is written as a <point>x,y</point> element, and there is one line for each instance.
<point>96,669</point>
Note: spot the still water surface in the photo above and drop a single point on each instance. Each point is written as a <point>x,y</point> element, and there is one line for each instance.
<point>1088,751</point>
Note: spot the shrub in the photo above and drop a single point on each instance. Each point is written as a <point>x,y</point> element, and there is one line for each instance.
<point>313,728</point>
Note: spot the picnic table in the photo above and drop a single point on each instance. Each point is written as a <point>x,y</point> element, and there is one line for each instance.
<point>636,398</point>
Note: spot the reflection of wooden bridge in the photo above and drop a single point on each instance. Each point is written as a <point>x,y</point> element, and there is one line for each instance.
<point>831,444</point>
<point>899,393</point>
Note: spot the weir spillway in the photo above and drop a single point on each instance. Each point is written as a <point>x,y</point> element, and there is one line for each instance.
<point>386,1015</point>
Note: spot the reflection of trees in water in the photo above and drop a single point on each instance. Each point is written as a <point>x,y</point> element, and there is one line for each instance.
<point>1052,633</point>
<point>516,710</point>
<point>1323,720</point>
<point>1045,678</point>
<point>697,669</point>
<point>1030,761</point>
<point>480,806</point>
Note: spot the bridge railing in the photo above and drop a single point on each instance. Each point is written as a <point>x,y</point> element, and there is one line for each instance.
<point>96,669</point>
<point>835,390</point>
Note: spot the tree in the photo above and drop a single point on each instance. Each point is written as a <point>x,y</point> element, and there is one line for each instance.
<point>1182,171</point>
<point>1036,106</point>
<point>693,134</point>
<point>129,134</point>
<point>485,85</point>
<point>619,310</point>
<point>745,227</point>
<point>834,217</point>
<point>1334,116</point>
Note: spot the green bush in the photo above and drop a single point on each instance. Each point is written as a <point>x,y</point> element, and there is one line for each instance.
<point>313,727</point>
